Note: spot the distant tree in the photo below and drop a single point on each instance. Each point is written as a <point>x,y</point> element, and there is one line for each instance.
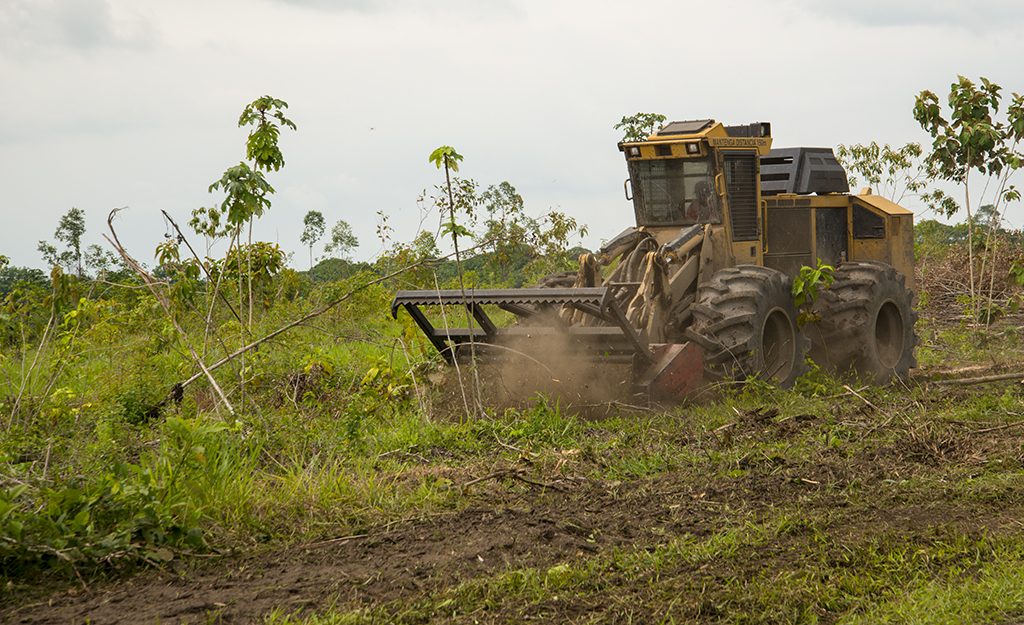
<point>333,269</point>
<point>890,172</point>
<point>640,126</point>
<point>515,239</point>
<point>99,261</point>
<point>313,231</point>
<point>69,231</point>
<point>343,241</point>
<point>49,252</point>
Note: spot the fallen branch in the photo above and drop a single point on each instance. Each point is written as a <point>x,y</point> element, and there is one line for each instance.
<point>202,265</point>
<point>514,474</point>
<point>151,283</point>
<point>316,313</point>
<point>980,380</point>
<point>484,478</point>
<point>522,478</point>
<point>996,428</point>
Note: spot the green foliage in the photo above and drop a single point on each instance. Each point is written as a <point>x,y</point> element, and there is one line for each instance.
<point>817,382</point>
<point>12,277</point>
<point>246,190</point>
<point>1016,272</point>
<point>639,126</point>
<point>70,230</point>
<point>99,262</point>
<point>809,281</point>
<point>933,237</point>
<point>183,275</point>
<point>971,138</point>
<point>246,193</point>
<point>343,241</point>
<point>334,269</point>
<point>133,513</point>
<point>892,172</point>
<point>266,115</point>
<point>446,157</point>
<point>254,263</point>
<point>313,230</point>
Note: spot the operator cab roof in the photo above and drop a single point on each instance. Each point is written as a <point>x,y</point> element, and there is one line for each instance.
<point>690,127</point>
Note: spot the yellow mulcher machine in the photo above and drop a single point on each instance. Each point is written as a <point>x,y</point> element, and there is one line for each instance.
<point>701,286</point>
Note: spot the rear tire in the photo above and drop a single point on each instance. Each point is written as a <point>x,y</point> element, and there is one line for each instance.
<point>746,313</point>
<point>866,323</point>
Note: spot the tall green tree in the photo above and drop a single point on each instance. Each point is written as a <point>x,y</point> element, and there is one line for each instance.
<point>972,137</point>
<point>343,242</point>
<point>246,189</point>
<point>313,230</point>
<point>70,230</point>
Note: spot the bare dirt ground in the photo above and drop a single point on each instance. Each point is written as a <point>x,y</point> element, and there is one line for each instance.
<point>509,522</point>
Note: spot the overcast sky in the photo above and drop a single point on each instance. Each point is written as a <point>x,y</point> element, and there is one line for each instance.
<point>110,103</point>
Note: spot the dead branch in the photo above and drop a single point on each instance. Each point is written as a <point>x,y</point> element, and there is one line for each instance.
<point>152,284</point>
<point>202,265</point>
<point>316,313</point>
<point>997,427</point>
<point>980,380</point>
<point>484,478</point>
<point>514,474</point>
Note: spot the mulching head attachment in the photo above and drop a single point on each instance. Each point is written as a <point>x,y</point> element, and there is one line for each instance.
<point>661,371</point>
<point>612,339</point>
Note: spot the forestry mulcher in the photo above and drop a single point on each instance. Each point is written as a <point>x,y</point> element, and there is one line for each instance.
<point>701,286</point>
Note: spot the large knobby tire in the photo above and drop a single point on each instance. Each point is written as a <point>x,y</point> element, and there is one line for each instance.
<point>746,317</point>
<point>865,323</point>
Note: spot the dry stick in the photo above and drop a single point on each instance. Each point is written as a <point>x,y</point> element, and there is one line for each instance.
<point>412,374</point>
<point>1005,426</point>
<point>202,265</point>
<point>981,380</point>
<point>455,360</point>
<point>216,286</point>
<point>242,328</point>
<point>316,313</point>
<point>462,286</point>
<point>148,279</point>
<point>484,478</point>
<point>32,367</point>
<point>995,245</point>
<point>888,417</point>
<point>970,237</point>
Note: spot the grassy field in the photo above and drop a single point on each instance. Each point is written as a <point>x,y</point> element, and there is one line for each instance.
<point>351,487</point>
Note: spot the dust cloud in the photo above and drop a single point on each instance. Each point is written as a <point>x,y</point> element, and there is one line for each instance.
<point>515,372</point>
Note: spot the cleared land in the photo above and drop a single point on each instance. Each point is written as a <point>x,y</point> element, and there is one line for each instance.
<point>826,503</point>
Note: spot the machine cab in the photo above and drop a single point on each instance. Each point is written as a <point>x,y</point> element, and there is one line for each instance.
<point>700,172</point>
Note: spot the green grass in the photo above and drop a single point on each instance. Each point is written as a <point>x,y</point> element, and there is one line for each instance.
<point>339,432</point>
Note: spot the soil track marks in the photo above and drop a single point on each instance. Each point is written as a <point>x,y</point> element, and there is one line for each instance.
<point>507,526</point>
<point>849,488</point>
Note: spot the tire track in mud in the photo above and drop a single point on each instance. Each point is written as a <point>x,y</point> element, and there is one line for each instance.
<point>509,523</point>
<point>505,527</point>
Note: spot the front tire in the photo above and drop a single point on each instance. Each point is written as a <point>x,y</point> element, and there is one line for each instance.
<point>866,323</point>
<point>746,313</point>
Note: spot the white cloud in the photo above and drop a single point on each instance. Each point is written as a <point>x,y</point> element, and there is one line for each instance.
<point>32,27</point>
<point>528,91</point>
<point>979,16</point>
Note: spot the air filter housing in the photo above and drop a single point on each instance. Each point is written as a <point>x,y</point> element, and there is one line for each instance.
<point>802,171</point>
